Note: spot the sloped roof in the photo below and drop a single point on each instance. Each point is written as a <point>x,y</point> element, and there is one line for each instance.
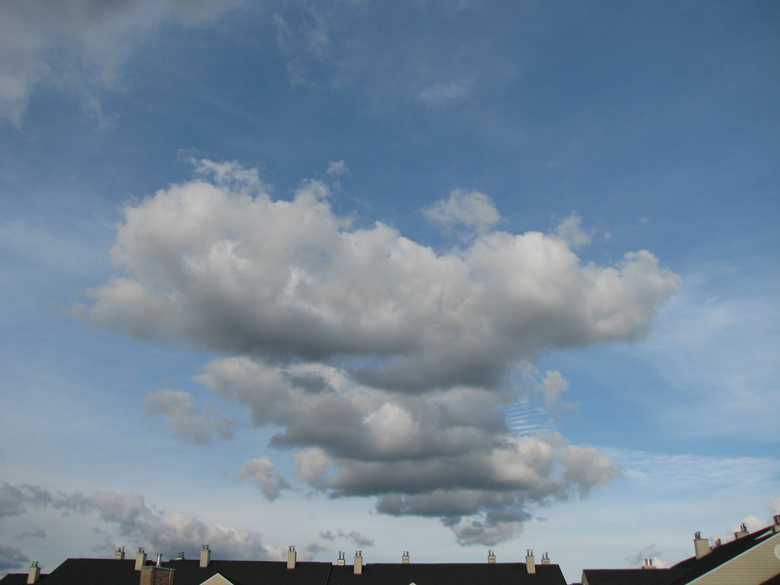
<point>683,572</point>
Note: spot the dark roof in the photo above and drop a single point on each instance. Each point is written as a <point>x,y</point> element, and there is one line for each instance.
<point>14,579</point>
<point>627,576</point>
<point>449,573</point>
<point>188,572</point>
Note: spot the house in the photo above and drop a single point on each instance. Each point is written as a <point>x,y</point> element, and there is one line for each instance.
<point>121,571</point>
<point>750,559</point>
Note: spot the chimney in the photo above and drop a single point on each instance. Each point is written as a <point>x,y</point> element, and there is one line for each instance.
<point>119,554</point>
<point>776,527</point>
<point>491,557</point>
<point>545,559</point>
<point>34,574</point>
<point>701,545</point>
<point>140,559</point>
<point>530,565</point>
<point>359,562</point>
<point>159,559</point>
<point>342,560</point>
<point>743,532</point>
<point>405,558</point>
<point>179,557</point>
<point>205,556</point>
<point>291,557</point>
<point>649,564</point>
<point>156,576</point>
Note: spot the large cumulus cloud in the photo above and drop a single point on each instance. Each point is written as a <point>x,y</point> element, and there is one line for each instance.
<point>385,362</point>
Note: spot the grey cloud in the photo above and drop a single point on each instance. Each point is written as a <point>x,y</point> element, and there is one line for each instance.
<point>34,533</point>
<point>357,538</point>
<point>314,548</point>
<point>13,498</point>
<point>261,472</point>
<point>327,535</point>
<point>12,557</point>
<point>184,421</point>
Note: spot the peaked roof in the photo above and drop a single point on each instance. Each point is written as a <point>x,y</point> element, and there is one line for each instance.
<point>449,573</point>
<point>683,572</point>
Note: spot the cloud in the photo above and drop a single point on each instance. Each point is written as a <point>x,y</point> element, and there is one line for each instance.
<point>13,498</point>
<point>337,168</point>
<point>81,45</point>
<point>327,535</point>
<point>314,549</point>
<point>569,231</point>
<point>649,552</point>
<point>472,532</point>
<point>34,533</point>
<point>183,420</point>
<point>261,472</point>
<point>386,365</point>
<point>552,386</point>
<point>442,93</point>
<point>12,557</point>
<point>469,209</point>
<point>168,533</point>
<point>357,538</point>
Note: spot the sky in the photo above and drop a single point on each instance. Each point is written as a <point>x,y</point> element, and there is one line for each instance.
<point>437,276</point>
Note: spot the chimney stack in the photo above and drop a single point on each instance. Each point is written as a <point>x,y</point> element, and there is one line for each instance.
<point>743,532</point>
<point>545,559</point>
<point>405,558</point>
<point>530,565</point>
<point>342,560</point>
<point>491,557</point>
<point>159,559</point>
<point>119,554</point>
<point>140,559</point>
<point>649,564</point>
<point>34,574</point>
<point>205,556</point>
<point>292,556</point>
<point>359,562</point>
<point>776,527</point>
<point>701,545</point>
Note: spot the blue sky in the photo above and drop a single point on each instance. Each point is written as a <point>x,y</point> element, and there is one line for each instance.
<point>425,276</point>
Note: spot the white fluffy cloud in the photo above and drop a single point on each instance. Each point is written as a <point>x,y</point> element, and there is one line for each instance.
<point>387,365</point>
<point>79,43</point>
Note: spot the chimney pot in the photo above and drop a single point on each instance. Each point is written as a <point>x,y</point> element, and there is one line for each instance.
<point>292,556</point>
<point>491,557</point>
<point>342,560</point>
<point>119,553</point>
<point>649,564</point>
<point>545,559</point>
<point>405,557</point>
<point>34,574</point>
<point>159,559</point>
<point>776,527</point>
